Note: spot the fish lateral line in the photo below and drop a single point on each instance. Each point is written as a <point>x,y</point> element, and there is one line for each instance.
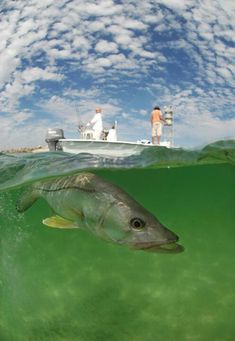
<point>64,188</point>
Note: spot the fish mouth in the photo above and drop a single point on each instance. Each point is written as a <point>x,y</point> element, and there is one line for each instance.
<point>167,247</point>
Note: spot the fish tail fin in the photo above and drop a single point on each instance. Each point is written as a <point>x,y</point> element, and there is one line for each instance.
<point>27,199</point>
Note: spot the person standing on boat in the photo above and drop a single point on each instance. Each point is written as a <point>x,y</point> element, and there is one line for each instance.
<point>156,122</point>
<point>97,124</point>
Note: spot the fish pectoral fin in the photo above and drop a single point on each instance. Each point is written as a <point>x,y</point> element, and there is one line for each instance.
<point>59,222</point>
<point>26,200</point>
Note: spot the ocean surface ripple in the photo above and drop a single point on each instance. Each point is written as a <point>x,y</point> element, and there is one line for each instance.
<point>22,168</point>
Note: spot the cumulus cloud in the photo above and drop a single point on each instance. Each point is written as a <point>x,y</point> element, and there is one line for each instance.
<point>8,64</point>
<point>177,52</point>
<point>104,46</point>
<point>23,84</point>
<point>32,74</point>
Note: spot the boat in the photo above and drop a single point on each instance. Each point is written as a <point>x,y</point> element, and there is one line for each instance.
<point>105,146</point>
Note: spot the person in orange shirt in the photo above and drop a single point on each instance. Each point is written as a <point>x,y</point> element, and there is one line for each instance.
<point>156,122</point>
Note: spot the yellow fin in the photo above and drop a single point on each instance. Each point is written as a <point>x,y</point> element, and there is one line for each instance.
<point>59,222</point>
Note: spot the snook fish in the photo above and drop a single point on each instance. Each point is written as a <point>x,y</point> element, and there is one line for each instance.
<point>87,201</point>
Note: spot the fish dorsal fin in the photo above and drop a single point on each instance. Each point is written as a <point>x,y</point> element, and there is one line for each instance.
<point>82,181</point>
<point>59,222</point>
<point>85,182</point>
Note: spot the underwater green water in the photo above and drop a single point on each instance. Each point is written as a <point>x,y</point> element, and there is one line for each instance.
<point>70,285</point>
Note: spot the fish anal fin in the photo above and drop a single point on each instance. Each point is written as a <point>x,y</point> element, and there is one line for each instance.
<point>59,222</point>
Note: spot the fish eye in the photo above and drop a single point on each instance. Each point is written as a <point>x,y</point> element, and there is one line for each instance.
<point>137,223</point>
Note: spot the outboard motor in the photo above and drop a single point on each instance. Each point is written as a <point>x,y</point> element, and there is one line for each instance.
<point>52,138</point>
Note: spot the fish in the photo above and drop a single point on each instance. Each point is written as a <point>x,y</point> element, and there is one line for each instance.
<point>87,201</point>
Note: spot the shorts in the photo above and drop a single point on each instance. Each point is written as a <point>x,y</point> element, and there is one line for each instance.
<point>157,129</point>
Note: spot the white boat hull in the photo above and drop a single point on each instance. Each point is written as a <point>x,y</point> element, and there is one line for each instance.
<point>103,148</point>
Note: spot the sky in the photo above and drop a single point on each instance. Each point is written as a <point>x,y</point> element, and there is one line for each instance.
<point>61,59</point>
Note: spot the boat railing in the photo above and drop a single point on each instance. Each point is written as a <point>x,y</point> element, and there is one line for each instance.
<point>87,133</point>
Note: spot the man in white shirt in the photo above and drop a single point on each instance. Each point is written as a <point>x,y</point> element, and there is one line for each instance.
<point>97,124</point>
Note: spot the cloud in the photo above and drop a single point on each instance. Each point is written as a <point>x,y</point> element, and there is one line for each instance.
<point>228,6</point>
<point>21,117</point>
<point>104,46</point>
<point>33,74</point>
<point>23,84</point>
<point>206,131</point>
<point>17,130</point>
<point>104,8</point>
<point>225,73</point>
<point>128,55</point>
<point>79,106</point>
<point>8,64</point>
<point>143,112</point>
<point>175,4</point>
